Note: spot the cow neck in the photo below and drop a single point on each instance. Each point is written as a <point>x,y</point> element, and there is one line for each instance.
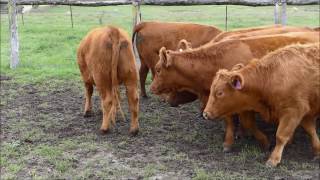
<point>255,84</point>
<point>198,65</point>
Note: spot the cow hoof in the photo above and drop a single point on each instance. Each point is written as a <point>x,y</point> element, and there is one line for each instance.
<point>271,164</point>
<point>134,132</point>
<point>226,149</point>
<point>104,131</point>
<point>87,114</point>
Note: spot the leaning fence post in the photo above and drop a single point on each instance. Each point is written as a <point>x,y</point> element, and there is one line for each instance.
<point>71,16</point>
<point>136,12</point>
<point>284,12</point>
<point>226,20</point>
<point>13,29</point>
<point>276,11</point>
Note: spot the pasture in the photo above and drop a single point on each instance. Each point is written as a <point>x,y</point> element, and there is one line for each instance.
<point>44,135</point>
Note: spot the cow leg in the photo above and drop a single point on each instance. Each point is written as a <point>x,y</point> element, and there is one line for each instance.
<point>229,136</point>
<point>88,103</point>
<point>287,125</point>
<point>88,84</point>
<point>106,103</point>
<point>238,129</point>
<point>143,72</point>
<point>133,101</point>
<point>248,121</point>
<point>309,125</point>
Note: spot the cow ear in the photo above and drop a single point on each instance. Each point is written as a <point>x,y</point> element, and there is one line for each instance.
<point>169,59</point>
<point>183,45</point>
<point>237,67</point>
<point>163,55</point>
<point>164,58</point>
<point>236,81</point>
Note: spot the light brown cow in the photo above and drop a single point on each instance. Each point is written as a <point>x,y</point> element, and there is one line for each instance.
<point>106,60</point>
<point>258,31</point>
<point>283,86</point>
<point>193,70</point>
<point>151,36</point>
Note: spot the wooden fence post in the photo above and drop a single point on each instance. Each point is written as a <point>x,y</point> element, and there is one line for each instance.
<point>22,18</point>
<point>13,29</point>
<point>284,12</point>
<point>226,20</point>
<point>71,16</point>
<point>136,12</point>
<point>276,11</point>
<point>136,20</point>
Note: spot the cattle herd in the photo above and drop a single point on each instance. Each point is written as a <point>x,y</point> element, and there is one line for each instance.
<point>270,70</point>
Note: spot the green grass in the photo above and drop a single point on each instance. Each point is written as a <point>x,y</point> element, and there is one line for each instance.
<point>48,43</point>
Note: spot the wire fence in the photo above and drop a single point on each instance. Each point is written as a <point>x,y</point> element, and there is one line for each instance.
<point>53,24</point>
<point>238,16</point>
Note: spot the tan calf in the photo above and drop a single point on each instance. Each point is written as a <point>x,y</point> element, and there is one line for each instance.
<point>283,86</point>
<point>106,60</point>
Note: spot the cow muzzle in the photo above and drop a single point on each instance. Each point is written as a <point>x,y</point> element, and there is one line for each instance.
<point>205,115</point>
<point>209,115</point>
<point>154,90</point>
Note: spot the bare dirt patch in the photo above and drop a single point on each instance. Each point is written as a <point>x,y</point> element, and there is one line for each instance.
<point>43,134</point>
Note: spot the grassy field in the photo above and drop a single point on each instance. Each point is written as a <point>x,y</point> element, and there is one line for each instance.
<point>44,136</point>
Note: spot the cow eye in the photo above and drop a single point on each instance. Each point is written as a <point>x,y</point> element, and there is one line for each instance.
<point>219,94</point>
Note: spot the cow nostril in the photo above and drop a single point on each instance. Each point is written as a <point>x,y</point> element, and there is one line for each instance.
<point>205,115</point>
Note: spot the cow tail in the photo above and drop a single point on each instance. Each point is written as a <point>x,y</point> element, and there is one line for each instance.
<point>135,31</point>
<point>114,78</point>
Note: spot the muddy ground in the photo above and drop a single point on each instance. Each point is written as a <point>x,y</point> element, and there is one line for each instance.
<point>45,136</point>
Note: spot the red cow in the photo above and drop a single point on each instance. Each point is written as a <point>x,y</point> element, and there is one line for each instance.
<point>106,59</point>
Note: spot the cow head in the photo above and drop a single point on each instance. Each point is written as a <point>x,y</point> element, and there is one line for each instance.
<point>226,94</point>
<point>166,77</point>
<point>162,76</point>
